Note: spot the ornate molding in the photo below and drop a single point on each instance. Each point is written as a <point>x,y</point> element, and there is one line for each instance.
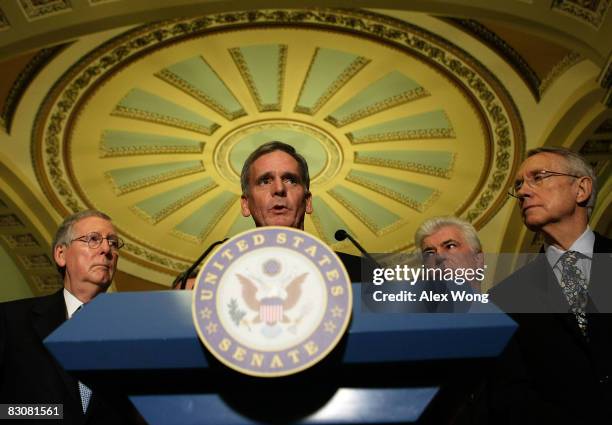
<point>389,103</point>
<point>559,69</point>
<point>26,76</point>
<point>502,48</point>
<point>396,196</point>
<point>181,84</point>
<point>248,78</point>
<point>408,166</point>
<point>481,87</point>
<point>591,12</point>
<point>37,9</point>
<point>338,83</point>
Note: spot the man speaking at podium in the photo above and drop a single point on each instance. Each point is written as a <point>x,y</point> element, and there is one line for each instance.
<point>275,186</point>
<point>85,250</point>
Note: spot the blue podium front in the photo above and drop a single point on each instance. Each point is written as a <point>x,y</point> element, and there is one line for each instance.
<point>389,368</point>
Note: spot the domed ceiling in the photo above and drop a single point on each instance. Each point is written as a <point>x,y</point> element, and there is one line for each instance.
<point>397,125</point>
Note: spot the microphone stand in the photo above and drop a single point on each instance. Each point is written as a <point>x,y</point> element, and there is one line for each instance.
<point>187,273</point>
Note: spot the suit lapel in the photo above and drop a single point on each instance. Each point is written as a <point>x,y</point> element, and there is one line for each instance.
<point>47,316</point>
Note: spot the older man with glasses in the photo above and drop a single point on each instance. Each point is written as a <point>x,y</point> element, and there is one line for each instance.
<point>85,250</point>
<point>557,368</point>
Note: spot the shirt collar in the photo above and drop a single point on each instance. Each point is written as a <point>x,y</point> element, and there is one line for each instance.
<point>584,245</point>
<point>72,303</point>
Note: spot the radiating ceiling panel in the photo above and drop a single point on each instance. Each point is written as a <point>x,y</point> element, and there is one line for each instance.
<point>142,105</point>
<point>428,125</point>
<point>128,179</point>
<point>391,90</point>
<point>326,220</point>
<point>329,71</point>
<point>199,224</point>
<point>157,207</point>
<point>197,78</point>
<point>140,123</point>
<point>263,69</point>
<point>376,217</point>
<point>240,224</point>
<point>124,143</point>
<point>414,195</point>
<point>435,163</point>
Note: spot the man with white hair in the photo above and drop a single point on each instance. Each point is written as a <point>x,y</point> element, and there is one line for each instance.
<point>558,366</point>
<point>450,243</point>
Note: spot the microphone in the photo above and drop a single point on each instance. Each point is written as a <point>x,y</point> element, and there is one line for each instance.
<point>187,273</point>
<point>342,234</point>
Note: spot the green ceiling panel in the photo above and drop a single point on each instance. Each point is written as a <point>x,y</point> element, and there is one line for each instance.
<point>326,220</point>
<point>436,163</point>
<point>195,77</point>
<point>133,178</point>
<point>303,142</point>
<point>142,105</point>
<point>376,217</point>
<point>411,194</point>
<point>391,90</point>
<point>199,224</point>
<point>124,143</point>
<point>240,225</point>
<point>428,125</point>
<point>329,71</point>
<point>263,69</point>
<point>158,207</point>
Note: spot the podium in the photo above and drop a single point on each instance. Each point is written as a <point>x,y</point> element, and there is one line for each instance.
<point>389,368</point>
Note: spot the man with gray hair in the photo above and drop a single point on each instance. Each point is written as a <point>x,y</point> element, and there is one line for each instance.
<point>558,366</point>
<point>85,250</point>
<point>450,243</point>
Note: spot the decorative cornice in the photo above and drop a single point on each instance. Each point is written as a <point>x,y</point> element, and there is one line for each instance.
<point>26,76</point>
<point>590,12</point>
<point>569,60</point>
<point>502,48</point>
<point>481,87</point>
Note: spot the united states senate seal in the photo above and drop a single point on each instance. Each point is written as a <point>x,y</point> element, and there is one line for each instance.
<point>272,301</point>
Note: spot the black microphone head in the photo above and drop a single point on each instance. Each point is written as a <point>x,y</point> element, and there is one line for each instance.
<point>340,235</point>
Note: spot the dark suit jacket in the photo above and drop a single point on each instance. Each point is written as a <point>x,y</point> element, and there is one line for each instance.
<point>29,374</point>
<point>550,372</point>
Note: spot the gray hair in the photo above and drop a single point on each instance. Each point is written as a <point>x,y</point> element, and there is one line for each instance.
<point>269,148</point>
<point>64,234</point>
<point>577,165</point>
<point>432,225</point>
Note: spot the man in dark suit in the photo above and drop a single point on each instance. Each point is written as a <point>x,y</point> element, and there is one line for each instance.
<point>275,187</point>
<point>85,250</point>
<point>557,368</point>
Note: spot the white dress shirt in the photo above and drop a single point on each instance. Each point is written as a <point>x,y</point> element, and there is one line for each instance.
<point>583,245</point>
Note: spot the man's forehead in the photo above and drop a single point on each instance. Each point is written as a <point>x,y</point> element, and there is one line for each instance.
<point>541,161</point>
<point>276,162</point>
<point>445,234</point>
<point>93,224</point>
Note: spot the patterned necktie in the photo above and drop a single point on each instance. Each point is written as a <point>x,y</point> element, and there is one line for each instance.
<point>84,390</point>
<point>574,286</point>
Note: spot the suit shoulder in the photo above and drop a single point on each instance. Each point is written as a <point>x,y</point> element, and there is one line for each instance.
<point>27,303</point>
<point>521,278</point>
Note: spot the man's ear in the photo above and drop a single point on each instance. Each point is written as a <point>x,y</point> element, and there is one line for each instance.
<point>59,254</point>
<point>244,206</point>
<point>309,203</point>
<point>585,189</point>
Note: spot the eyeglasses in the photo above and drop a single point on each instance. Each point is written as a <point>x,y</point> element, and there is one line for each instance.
<point>94,240</point>
<point>535,180</point>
